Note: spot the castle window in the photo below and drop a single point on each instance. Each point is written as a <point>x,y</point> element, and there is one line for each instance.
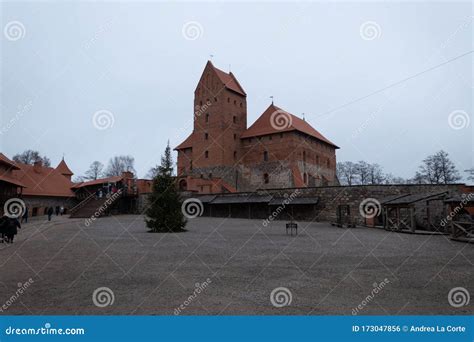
<point>215,99</point>
<point>266,178</point>
<point>240,104</point>
<point>200,103</point>
<point>202,176</point>
<point>304,156</point>
<point>210,176</point>
<point>206,154</point>
<point>234,119</point>
<point>317,160</point>
<point>228,99</point>
<point>305,178</point>
<point>235,136</point>
<point>235,102</point>
<point>207,117</point>
<point>265,156</point>
<point>207,101</point>
<point>328,163</point>
<point>235,155</point>
<point>190,165</point>
<point>206,136</point>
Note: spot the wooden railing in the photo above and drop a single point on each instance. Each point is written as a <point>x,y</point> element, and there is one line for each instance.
<point>81,204</point>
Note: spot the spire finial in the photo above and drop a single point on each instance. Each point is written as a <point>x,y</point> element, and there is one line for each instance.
<point>271,98</point>
<point>303,117</point>
<point>210,57</point>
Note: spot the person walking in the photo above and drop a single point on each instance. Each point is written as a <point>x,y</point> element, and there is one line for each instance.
<point>57,211</point>
<point>12,228</point>
<point>61,210</point>
<point>3,228</point>
<point>50,213</point>
<point>24,217</point>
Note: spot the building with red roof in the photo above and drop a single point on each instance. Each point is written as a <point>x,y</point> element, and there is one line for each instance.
<point>222,154</point>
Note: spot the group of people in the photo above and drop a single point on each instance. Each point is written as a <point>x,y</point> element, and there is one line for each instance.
<point>8,228</point>
<point>106,191</point>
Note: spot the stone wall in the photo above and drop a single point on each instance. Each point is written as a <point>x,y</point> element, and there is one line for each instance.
<point>37,205</point>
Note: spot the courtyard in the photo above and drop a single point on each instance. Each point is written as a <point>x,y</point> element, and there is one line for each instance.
<point>228,267</point>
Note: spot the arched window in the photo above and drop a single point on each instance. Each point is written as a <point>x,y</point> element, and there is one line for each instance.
<point>206,154</point>
<point>265,156</point>
<point>234,119</point>
<point>207,117</point>
<point>266,178</point>
<point>206,136</point>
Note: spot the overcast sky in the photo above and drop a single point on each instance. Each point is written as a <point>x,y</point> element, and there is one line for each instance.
<point>140,62</point>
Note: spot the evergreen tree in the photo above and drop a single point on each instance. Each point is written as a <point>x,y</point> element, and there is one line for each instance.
<point>164,213</point>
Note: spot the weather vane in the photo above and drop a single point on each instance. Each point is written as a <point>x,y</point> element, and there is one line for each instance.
<point>271,98</point>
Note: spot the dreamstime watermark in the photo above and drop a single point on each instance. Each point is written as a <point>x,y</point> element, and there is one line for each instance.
<point>103,119</point>
<point>377,287</point>
<point>458,297</point>
<point>46,330</point>
<point>281,120</point>
<point>103,208</point>
<point>192,208</point>
<point>458,119</point>
<point>201,109</point>
<point>465,199</point>
<point>22,110</point>
<point>22,287</point>
<point>281,297</point>
<point>103,296</point>
<point>199,288</point>
<point>103,28</point>
<point>192,30</point>
<point>287,201</point>
<point>14,207</point>
<point>369,208</point>
<point>14,30</point>
<point>370,30</point>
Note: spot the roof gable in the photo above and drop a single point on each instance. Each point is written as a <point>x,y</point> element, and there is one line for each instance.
<point>229,81</point>
<point>276,120</point>
<point>63,169</point>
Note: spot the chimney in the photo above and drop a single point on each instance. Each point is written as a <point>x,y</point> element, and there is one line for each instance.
<point>37,166</point>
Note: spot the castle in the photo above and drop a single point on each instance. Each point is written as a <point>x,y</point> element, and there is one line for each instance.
<point>222,154</point>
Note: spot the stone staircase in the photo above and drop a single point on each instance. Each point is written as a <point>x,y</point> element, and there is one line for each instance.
<point>93,206</point>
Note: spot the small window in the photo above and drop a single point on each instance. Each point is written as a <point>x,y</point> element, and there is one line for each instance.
<point>304,156</point>
<point>235,102</point>
<point>328,163</point>
<point>235,155</point>
<point>200,103</point>
<point>240,104</point>
<point>215,99</point>
<point>210,176</point>
<point>235,136</point>
<point>207,101</point>
<point>228,99</point>
<point>265,156</point>
<point>305,178</point>
<point>202,176</point>
<point>207,118</point>
<point>266,178</point>
<point>190,165</point>
<point>206,154</point>
<point>234,119</point>
<point>206,136</point>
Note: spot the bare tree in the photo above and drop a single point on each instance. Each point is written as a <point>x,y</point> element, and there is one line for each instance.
<point>362,170</point>
<point>438,169</point>
<point>376,175</point>
<point>96,170</point>
<point>30,157</point>
<point>346,172</point>
<point>119,164</point>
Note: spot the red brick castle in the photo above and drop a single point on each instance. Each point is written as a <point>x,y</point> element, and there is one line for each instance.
<point>279,150</point>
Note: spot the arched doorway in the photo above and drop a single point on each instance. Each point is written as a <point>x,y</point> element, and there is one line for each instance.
<point>183,185</point>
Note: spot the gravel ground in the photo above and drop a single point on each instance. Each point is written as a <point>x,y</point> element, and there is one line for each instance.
<point>236,263</point>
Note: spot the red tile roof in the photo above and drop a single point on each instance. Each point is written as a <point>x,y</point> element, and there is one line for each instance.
<point>99,181</point>
<point>11,180</point>
<point>276,120</point>
<point>43,181</point>
<point>8,162</point>
<point>229,80</point>
<point>64,169</point>
<point>188,143</point>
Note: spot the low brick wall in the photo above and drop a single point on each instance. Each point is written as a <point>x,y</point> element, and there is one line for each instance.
<point>330,198</point>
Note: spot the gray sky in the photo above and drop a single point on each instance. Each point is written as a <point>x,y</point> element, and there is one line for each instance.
<point>142,61</point>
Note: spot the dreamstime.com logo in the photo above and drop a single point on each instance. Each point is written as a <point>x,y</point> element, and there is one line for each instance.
<point>103,208</point>
<point>370,30</point>
<point>192,30</point>
<point>103,119</point>
<point>287,201</point>
<point>14,207</point>
<point>46,330</point>
<point>281,120</point>
<point>199,288</point>
<point>281,297</point>
<point>14,30</point>
<point>377,287</point>
<point>103,296</point>
<point>192,208</point>
<point>22,287</point>
<point>458,297</point>
<point>458,119</point>
<point>457,209</point>
<point>369,208</point>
